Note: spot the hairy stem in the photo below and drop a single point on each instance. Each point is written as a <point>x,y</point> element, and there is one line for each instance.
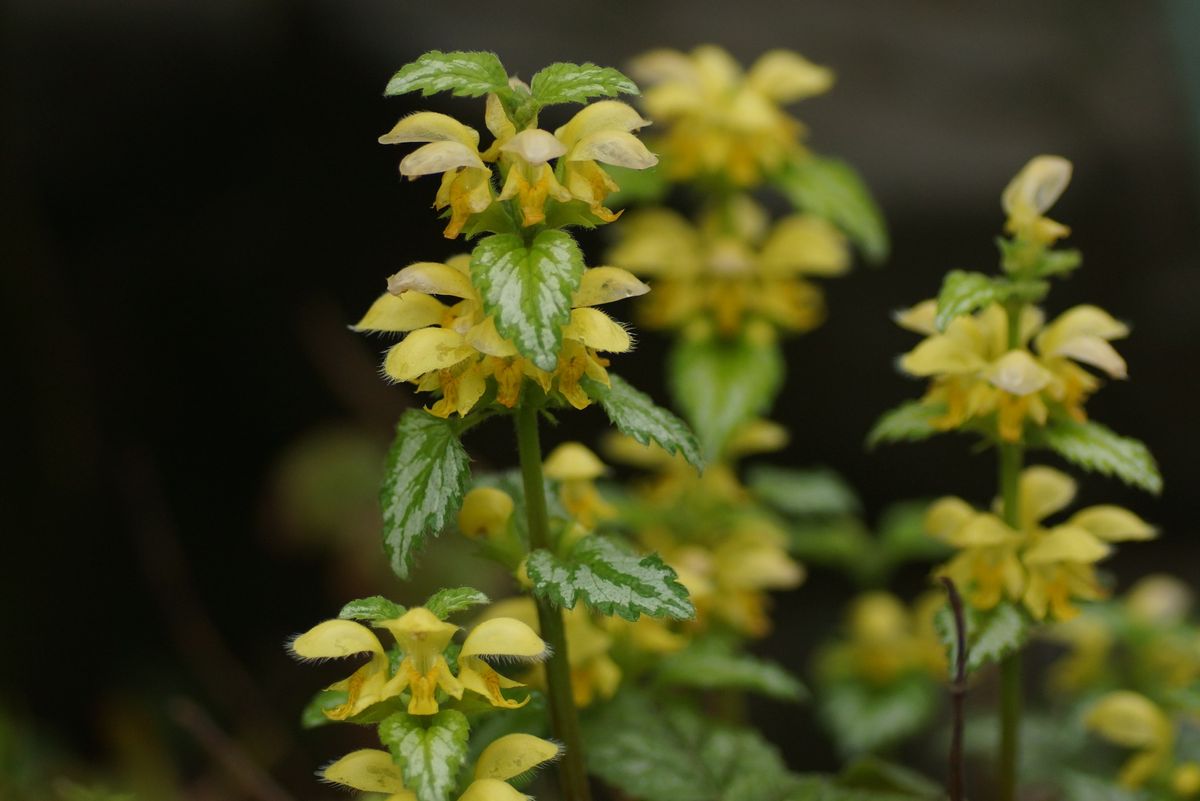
<point>564,718</point>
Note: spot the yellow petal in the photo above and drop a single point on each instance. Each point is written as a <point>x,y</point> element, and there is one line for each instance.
<point>946,516</point>
<point>597,330</point>
<point>572,461</point>
<point>497,120</point>
<point>717,70</point>
<point>410,311</point>
<point>607,284</point>
<point>673,99</point>
<point>1042,491</point>
<point>485,512</point>
<point>606,115</point>
<point>757,436</point>
<point>807,244</point>
<point>1066,544</point>
<point>919,318</point>
<point>940,354</point>
<point>534,146</point>
<point>513,755</point>
<point>429,126</point>
<point>786,77</point>
<point>1082,334</point>
<point>369,770</point>
<point>661,65</point>
<point>431,278</point>
<point>336,638</point>
<point>424,351</point>
<point>982,531</point>
<point>1129,719</point>
<point>439,157</point>
<point>614,147</point>
<point>420,625</point>
<point>1161,600</point>
<point>1113,524</point>
<point>491,790</point>
<point>503,636</point>
<point>1037,186</point>
<point>484,338</point>
<point>1018,373</point>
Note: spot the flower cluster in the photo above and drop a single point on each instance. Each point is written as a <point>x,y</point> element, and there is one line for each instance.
<point>886,640</point>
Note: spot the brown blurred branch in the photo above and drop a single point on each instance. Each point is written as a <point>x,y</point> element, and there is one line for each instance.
<point>253,780</point>
<point>958,693</point>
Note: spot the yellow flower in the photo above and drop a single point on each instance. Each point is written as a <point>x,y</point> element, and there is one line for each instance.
<point>577,468</point>
<point>733,268</point>
<point>1043,568</point>
<point>600,133</point>
<point>722,121</point>
<point>593,672</point>
<point>456,350</point>
<point>976,375</point>
<point>485,512</point>
<point>1134,721</point>
<point>421,638</point>
<point>887,640</point>
<point>512,755</point>
<point>1031,194</point>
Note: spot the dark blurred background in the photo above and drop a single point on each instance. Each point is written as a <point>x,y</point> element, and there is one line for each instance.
<point>195,206</point>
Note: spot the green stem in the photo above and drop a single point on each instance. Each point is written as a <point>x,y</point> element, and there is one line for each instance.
<point>564,718</point>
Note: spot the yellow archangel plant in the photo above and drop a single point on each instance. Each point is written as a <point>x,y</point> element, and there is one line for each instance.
<point>508,329</point>
<point>997,371</point>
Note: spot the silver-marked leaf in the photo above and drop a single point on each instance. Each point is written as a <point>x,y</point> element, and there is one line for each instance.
<point>714,663</point>
<point>371,609</point>
<point>909,422</point>
<point>963,293</point>
<point>429,750</point>
<point>1098,448</point>
<point>831,188</point>
<point>563,82</point>
<point>424,481</point>
<point>445,603</point>
<point>636,415</point>
<point>528,290</point>
<point>720,385</point>
<point>462,73</point>
<point>610,578</point>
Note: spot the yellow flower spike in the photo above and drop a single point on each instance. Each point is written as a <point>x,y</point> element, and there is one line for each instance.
<point>491,790</point>
<point>485,512</point>
<point>602,285</point>
<point>1112,524</point>
<point>1083,334</point>
<point>573,461</point>
<point>803,243</point>
<point>513,755</point>
<point>503,637</point>
<point>786,77</point>
<point>429,126</point>
<point>334,639</point>
<point>425,351</point>
<point>1031,194</point>
<point>530,177</point>
<point>369,770</point>
<point>1159,600</point>
<point>401,314</point>
<point>431,278</point>
<point>422,638</point>
<point>1133,721</point>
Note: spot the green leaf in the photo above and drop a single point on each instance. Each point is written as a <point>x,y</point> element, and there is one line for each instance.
<point>563,82</point>
<point>909,422</point>
<point>1098,448</point>
<point>903,536</point>
<point>529,290</point>
<point>424,481</point>
<point>648,186</point>
<point>445,603</point>
<point>462,73</point>
<point>313,714</point>
<point>1059,262</point>
<point>610,578</point>
<point>673,753</point>
<point>803,493</point>
<point>963,293</point>
<point>713,663</point>
<point>865,719</point>
<point>831,188</point>
<point>872,773</point>
<point>636,415</point>
<point>430,750</point>
<point>991,635</point>
<point>370,609</point>
<point>720,385</point>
